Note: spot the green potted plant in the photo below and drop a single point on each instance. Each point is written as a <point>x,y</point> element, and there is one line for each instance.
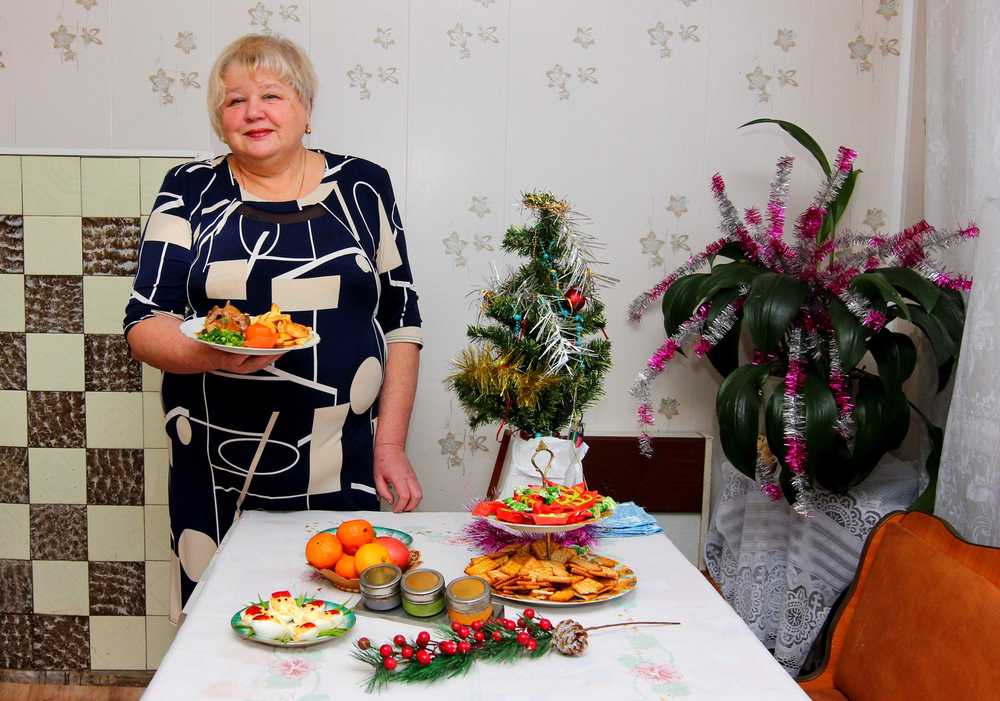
<point>812,307</point>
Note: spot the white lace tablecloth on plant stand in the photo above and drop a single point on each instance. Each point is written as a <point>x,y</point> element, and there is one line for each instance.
<point>781,572</point>
<point>712,655</point>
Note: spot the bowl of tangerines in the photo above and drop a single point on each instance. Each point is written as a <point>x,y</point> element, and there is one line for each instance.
<point>340,554</point>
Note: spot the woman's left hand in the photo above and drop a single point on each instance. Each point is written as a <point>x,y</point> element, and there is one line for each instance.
<point>393,469</point>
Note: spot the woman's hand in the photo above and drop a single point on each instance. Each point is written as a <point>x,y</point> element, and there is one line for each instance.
<point>242,364</point>
<point>393,469</point>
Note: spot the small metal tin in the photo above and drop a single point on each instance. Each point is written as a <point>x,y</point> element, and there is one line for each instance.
<point>380,587</point>
<point>423,592</point>
<point>469,600</point>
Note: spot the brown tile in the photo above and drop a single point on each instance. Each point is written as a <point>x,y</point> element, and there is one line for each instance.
<point>57,420</point>
<point>53,303</point>
<point>118,588</point>
<point>60,642</point>
<point>13,475</point>
<point>15,641</point>
<point>15,586</point>
<point>115,476</point>
<point>108,364</point>
<point>110,245</point>
<point>13,367</point>
<point>58,532</point>
<point>11,243</point>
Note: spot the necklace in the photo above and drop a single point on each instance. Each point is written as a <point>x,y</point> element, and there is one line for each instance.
<point>237,171</point>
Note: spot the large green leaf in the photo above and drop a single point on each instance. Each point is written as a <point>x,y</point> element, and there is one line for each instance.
<point>731,250</point>
<point>950,311</point>
<point>773,302</point>
<point>874,286</point>
<point>738,407</point>
<point>725,355</point>
<point>850,334</point>
<point>820,416</point>
<point>837,207</point>
<point>942,344</point>
<point>896,357</point>
<point>914,285</point>
<point>728,275</point>
<point>944,374</point>
<point>680,299</point>
<point>800,135</point>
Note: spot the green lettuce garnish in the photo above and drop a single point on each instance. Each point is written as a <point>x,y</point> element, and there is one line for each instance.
<point>224,338</point>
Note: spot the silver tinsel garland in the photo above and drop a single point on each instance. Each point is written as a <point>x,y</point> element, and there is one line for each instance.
<point>794,419</point>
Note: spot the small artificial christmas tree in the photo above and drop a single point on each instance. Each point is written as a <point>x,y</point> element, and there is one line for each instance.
<point>537,364</point>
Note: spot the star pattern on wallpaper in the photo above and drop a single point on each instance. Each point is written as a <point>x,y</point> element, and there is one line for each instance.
<point>358,78</point>
<point>669,407</point>
<point>888,9</point>
<point>261,14</point>
<point>66,41</point>
<point>874,219</point>
<point>483,242</point>
<point>383,37</point>
<point>453,246</point>
<point>477,443</point>
<point>289,13</point>
<point>587,75</point>
<point>888,47</point>
<point>480,206</point>
<point>651,246</point>
<point>679,242</point>
<point>584,37</point>
<point>62,39</point>
<point>757,81</point>
<point>186,42</point>
<point>488,35</point>
<point>388,75</point>
<point>678,205</point>
<point>558,78</point>
<point>189,79</point>
<point>86,4</point>
<point>659,36</point>
<point>90,35</point>
<point>450,447</point>
<point>786,78</point>
<point>459,38</point>
<point>689,32</point>
<point>161,83</point>
<point>860,50</point>
<point>785,40</point>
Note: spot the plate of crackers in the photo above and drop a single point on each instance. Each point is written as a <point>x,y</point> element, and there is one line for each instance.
<point>563,576</point>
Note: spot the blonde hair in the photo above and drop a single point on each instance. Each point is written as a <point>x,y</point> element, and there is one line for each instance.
<point>253,52</point>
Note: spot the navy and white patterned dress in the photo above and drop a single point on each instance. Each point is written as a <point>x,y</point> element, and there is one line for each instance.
<point>336,261</point>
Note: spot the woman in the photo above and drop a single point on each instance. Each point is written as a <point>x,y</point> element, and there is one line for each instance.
<point>320,236</point>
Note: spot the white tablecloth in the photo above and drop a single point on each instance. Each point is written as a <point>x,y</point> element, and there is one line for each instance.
<point>712,655</point>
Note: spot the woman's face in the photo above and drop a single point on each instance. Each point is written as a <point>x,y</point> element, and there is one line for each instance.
<point>262,116</point>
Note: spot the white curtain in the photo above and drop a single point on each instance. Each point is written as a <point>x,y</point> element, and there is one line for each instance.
<point>963,181</point>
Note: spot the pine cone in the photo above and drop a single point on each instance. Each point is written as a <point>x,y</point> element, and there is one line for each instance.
<point>570,638</point>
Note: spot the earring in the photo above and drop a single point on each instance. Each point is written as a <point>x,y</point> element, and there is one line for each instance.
<point>308,129</point>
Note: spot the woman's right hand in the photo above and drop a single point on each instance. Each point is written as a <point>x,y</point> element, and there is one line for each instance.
<point>243,364</point>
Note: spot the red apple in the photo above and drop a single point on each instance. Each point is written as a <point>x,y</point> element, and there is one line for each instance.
<point>398,553</point>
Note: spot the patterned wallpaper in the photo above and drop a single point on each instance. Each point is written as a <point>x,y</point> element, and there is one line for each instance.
<point>624,108</point>
<point>84,543</point>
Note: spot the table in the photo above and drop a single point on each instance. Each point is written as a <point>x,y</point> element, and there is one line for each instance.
<point>711,655</point>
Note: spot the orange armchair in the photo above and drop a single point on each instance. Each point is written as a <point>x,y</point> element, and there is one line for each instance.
<point>920,621</point>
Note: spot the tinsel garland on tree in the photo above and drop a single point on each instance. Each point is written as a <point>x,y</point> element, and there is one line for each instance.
<point>538,362</point>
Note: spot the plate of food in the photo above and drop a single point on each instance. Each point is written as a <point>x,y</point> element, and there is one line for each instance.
<point>231,330</point>
<point>341,553</point>
<point>286,621</point>
<point>547,508</point>
<point>560,577</point>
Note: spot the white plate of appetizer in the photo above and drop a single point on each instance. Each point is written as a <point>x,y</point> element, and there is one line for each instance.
<point>287,621</point>
<point>229,329</point>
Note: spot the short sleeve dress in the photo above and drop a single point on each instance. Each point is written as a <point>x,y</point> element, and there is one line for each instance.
<point>335,260</point>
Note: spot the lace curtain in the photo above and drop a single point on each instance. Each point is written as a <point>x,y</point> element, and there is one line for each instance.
<point>963,180</point>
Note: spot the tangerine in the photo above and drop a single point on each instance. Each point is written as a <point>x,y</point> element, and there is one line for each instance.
<point>323,550</point>
<point>355,533</point>
<point>345,567</point>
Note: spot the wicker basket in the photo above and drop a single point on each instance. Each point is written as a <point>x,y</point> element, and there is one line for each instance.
<point>355,584</point>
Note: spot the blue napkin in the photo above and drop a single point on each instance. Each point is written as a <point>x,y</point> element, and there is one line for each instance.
<point>629,519</point>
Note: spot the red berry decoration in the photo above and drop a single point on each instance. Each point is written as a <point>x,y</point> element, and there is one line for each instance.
<point>479,636</point>
<point>532,645</point>
<point>545,624</point>
<point>399,640</point>
<point>463,632</point>
<point>575,299</point>
<point>406,652</point>
<point>523,638</point>
<point>520,623</point>
<point>389,663</point>
<point>529,613</point>
<point>423,637</point>
<point>497,636</point>
<point>386,650</point>
<point>448,647</point>
<point>464,646</point>
<point>509,624</point>
<point>456,626</point>
<point>477,625</point>
<point>423,658</point>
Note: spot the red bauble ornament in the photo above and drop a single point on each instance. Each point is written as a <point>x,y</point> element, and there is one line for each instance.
<point>406,652</point>
<point>386,651</point>
<point>389,663</point>
<point>423,658</point>
<point>399,640</point>
<point>423,637</point>
<point>575,300</point>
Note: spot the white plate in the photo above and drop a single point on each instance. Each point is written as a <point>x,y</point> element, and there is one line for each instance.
<point>192,327</point>
<point>624,571</point>
<point>535,528</point>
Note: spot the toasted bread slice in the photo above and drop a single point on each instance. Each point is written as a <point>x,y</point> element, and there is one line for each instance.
<point>562,595</point>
